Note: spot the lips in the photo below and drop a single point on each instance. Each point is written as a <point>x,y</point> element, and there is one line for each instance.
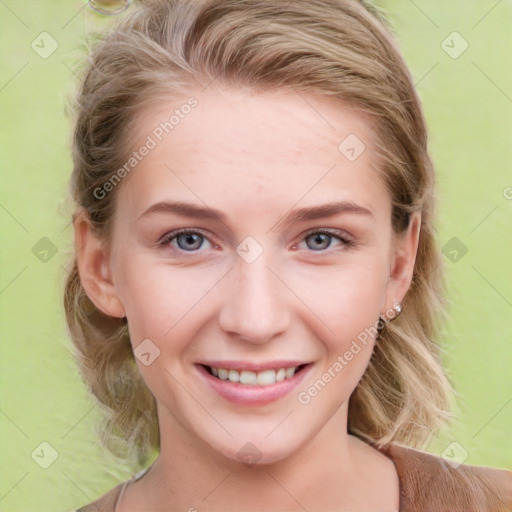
<point>230,364</point>
<point>253,384</point>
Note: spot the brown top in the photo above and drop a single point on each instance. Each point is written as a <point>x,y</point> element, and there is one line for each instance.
<point>427,484</point>
<point>430,484</point>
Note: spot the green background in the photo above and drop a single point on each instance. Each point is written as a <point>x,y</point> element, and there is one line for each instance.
<point>468,104</point>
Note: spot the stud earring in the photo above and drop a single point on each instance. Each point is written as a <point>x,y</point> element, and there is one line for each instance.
<point>397,310</point>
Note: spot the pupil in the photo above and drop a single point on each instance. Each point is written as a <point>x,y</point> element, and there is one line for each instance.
<point>189,241</point>
<point>322,240</point>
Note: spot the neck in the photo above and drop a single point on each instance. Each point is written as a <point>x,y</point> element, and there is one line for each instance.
<point>325,472</point>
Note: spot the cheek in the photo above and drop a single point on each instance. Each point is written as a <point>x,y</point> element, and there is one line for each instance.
<point>160,299</point>
<point>346,305</point>
<point>346,298</point>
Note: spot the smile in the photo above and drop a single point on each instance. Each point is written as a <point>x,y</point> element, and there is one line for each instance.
<point>246,384</point>
<point>250,378</point>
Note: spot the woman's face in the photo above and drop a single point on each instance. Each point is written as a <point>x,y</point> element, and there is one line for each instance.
<point>288,259</point>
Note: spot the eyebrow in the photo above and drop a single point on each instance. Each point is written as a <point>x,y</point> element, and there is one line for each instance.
<point>297,215</point>
<point>185,210</point>
<point>324,210</point>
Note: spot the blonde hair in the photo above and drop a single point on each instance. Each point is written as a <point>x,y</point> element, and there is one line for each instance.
<point>339,48</point>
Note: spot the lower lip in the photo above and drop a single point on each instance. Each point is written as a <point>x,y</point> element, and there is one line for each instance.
<point>243,394</point>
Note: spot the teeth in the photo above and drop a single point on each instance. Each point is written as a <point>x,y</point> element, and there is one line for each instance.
<point>263,378</point>
<point>266,377</point>
<point>290,372</point>
<point>248,377</point>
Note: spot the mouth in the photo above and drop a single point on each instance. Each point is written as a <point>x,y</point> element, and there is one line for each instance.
<point>265,377</point>
<point>248,384</point>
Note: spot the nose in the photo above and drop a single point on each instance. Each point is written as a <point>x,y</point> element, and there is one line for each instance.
<point>254,302</point>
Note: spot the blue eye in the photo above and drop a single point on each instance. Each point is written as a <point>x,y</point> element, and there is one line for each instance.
<point>320,240</point>
<point>189,241</point>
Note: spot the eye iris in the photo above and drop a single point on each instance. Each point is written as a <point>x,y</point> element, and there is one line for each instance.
<point>321,239</point>
<point>189,241</point>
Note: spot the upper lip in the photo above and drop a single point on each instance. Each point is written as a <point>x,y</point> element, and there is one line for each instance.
<point>254,367</point>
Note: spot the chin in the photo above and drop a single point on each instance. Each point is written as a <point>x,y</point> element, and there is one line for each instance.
<point>257,450</point>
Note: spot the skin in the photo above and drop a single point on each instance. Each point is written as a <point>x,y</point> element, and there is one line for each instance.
<point>254,156</point>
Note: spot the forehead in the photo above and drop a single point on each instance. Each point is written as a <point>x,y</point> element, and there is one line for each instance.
<point>280,147</point>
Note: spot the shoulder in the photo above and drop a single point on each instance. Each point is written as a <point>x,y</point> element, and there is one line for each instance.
<point>107,503</point>
<point>428,482</point>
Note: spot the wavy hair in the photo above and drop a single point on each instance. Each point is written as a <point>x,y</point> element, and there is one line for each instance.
<point>338,48</point>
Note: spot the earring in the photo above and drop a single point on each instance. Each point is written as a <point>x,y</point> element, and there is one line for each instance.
<point>397,308</point>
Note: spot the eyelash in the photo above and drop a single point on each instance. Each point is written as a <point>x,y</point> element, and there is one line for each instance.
<point>166,239</point>
<point>334,233</point>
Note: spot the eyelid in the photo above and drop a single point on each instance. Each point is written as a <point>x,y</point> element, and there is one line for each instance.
<point>166,239</point>
<point>342,235</point>
<point>335,232</point>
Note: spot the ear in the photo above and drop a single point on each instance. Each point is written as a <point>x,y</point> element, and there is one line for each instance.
<point>403,258</point>
<point>94,268</point>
